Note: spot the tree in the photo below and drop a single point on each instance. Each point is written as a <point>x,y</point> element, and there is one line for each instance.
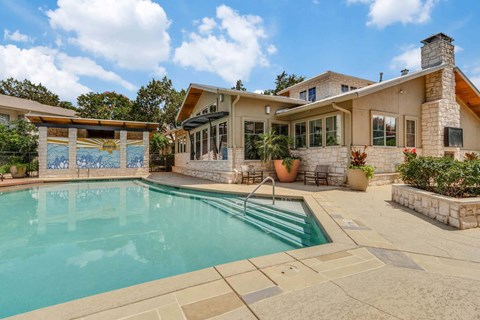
<point>158,143</point>
<point>170,110</point>
<point>283,81</point>
<point>107,105</point>
<point>37,92</point>
<point>151,99</point>
<point>239,86</point>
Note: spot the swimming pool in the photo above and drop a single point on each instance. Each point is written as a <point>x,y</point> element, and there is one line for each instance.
<point>66,241</point>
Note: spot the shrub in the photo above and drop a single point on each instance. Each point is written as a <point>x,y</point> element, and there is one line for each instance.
<point>359,161</point>
<point>469,156</point>
<point>443,175</point>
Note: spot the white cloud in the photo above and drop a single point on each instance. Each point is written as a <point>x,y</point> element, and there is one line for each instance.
<point>131,33</point>
<point>386,12</point>
<point>16,36</point>
<point>232,51</point>
<point>271,49</point>
<point>207,25</point>
<point>410,58</point>
<point>54,69</point>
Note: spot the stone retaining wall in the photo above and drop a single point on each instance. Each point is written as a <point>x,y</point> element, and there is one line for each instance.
<point>458,213</point>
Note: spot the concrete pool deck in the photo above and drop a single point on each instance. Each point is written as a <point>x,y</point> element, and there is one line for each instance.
<point>385,262</point>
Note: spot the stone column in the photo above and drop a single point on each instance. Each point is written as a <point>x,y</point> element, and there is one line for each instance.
<point>146,152</point>
<point>72,151</point>
<point>123,149</point>
<point>42,152</point>
<point>440,109</point>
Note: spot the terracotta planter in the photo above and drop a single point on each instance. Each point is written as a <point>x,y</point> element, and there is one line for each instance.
<point>357,179</point>
<point>18,172</point>
<point>282,173</point>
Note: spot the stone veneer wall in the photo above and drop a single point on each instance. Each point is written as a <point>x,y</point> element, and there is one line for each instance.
<point>458,213</point>
<point>386,159</point>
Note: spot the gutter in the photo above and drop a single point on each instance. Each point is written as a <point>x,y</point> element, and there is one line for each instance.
<point>233,131</point>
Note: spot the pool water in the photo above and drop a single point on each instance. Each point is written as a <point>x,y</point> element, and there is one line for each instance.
<point>66,241</point>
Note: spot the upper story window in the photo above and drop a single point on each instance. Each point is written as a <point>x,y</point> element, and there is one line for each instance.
<point>384,130</point>
<point>344,88</point>
<point>4,119</point>
<point>213,107</point>
<point>303,95</point>
<point>312,94</point>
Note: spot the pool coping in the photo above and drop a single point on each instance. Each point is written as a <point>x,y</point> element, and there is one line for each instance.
<point>90,305</point>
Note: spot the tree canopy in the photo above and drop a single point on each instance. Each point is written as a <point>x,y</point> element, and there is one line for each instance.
<point>28,90</point>
<point>283,81</point>
<point>106,105</point>
<point>239,86</point>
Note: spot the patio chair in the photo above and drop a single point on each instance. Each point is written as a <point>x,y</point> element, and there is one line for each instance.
<point>320,173</point>
<point>249,174</point>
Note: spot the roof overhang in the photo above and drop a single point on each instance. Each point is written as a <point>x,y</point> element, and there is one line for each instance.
<point>354,94</point>
<point>195,91</point>
<point>467,92</point>
<point>92,124</point>
<point>198,121</point>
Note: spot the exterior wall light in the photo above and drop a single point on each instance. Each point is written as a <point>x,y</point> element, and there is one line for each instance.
<point>267,109</point>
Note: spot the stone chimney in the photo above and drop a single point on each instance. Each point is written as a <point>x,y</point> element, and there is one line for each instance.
<point>441,108</point>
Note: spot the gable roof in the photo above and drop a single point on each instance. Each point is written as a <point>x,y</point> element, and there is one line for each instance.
<point>350,95</point>
<point>323,74</point>
<point>467,91</point>
<point>27,106</point>
<point>195,90</point>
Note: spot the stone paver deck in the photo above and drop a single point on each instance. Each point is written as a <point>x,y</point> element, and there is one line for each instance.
<point>386,262</point>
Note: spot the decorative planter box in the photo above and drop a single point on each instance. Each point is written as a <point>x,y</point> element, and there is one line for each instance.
<point>459,213</point>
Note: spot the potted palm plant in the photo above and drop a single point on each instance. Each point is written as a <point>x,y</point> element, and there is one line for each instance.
<point>272,146</point>
<point>359,173</point>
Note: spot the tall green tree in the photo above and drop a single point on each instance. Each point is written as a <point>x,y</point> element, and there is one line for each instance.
<point>239,86</point>
<point>158,101</point>
<point>106,105</point>
<point>151,100</point>
<point>28,90</point>
<point>283,81</point>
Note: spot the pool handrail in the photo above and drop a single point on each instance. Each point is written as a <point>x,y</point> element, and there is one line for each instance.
<point>256,188</point>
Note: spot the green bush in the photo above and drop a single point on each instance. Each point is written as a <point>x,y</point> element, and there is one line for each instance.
<point>443,175</point>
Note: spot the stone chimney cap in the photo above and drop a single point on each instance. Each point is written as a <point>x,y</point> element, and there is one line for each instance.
<point>436,37</point>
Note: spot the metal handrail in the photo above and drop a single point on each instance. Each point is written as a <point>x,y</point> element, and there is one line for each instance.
<point>259,185</point>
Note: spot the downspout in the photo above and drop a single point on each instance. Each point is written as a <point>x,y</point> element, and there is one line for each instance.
<point>233,131</point>
<point>336,107</point>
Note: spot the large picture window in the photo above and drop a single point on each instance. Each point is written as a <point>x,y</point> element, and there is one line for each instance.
<point>197,146</point>
<point>252,130</point>
<point>315,133</point>
<point>300,135</point>
<point>280,128</point>
<point>384,131</point>
<point>222,141</point>
<point>333,130</point>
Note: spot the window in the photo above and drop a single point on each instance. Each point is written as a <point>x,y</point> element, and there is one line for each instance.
<point>182,146</point>
<point>197,146</point>
<point>205,144</point>
<point>4,119</point>
<point>303,95</point>
<point>253,130</point>
<point>333,130</point>
<point>344,88</point>
<point>300,135</point>
<point>280,128</point>
<point>315,133</point>
<point>222,141</point>
<point>205,111</point>
<point>384,131</point>
<point>312,94</point>
<point>213,143</point>
<point>213,107</point>
<point>410,133</point>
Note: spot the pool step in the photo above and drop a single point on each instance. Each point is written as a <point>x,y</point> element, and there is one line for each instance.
<point>298,241</point>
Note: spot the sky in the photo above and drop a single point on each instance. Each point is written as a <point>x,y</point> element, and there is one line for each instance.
<point>77,46</point>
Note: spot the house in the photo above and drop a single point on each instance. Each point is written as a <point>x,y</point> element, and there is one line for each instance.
<point>12,108</point>
<point>435,110</point>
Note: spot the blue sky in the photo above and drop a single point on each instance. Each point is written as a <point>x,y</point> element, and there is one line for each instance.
<point>77,46</point>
